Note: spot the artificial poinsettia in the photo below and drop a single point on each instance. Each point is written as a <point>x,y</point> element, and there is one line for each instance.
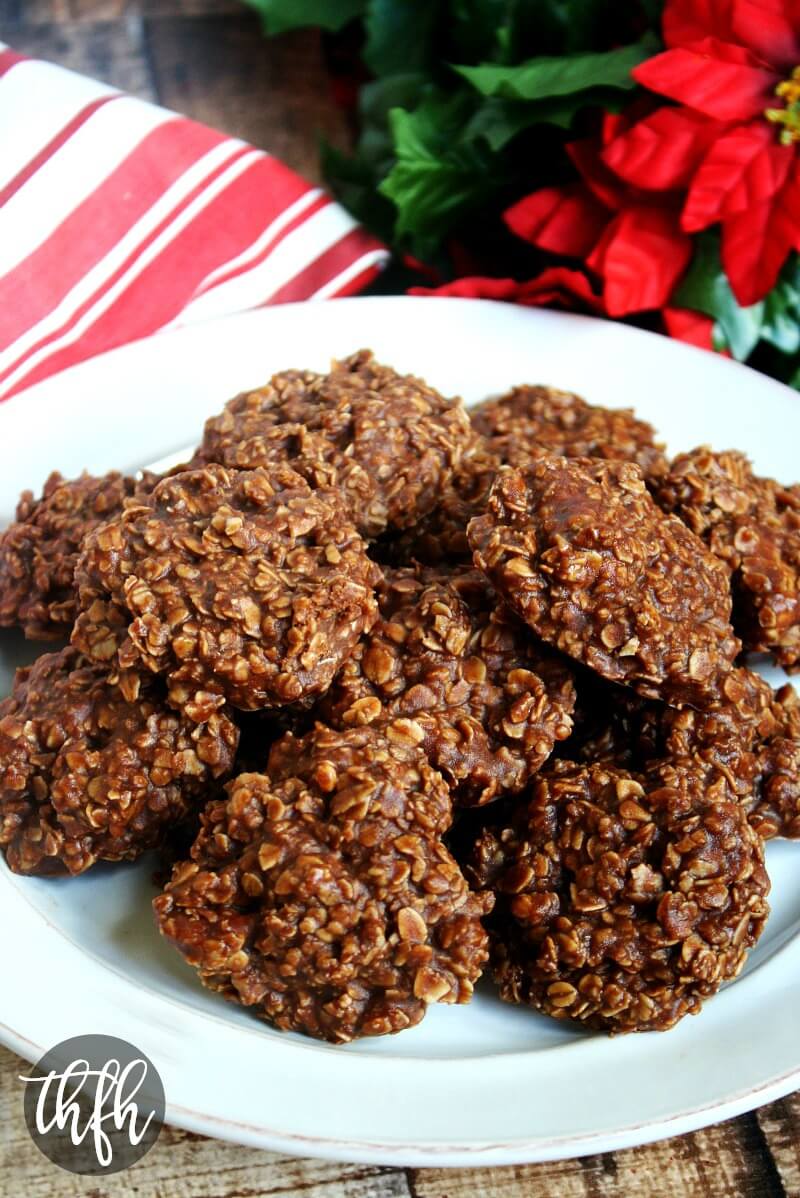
<point>559,287</point>
<point>692,327</point>
<point>628,236</point>
<point>734,66</point>
<point>555,287</point>
<point>683,212</point>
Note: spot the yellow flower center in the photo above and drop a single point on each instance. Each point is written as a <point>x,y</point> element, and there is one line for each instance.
<point>788,116</point>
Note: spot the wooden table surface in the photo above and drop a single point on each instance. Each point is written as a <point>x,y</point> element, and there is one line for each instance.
<point>207,59</point>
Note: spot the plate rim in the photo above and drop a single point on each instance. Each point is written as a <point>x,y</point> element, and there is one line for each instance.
<point>722,361</point>
<point>457,1155</point>
<point>441,1154</point>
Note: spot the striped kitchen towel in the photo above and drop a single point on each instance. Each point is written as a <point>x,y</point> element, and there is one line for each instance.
<point>119,218</point>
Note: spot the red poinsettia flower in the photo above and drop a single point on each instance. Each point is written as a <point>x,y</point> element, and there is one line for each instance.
<point>559,287</point>
<point>629,237</point>
<point>692,327</point>
<point>556,287</point>
<point>735,67</point>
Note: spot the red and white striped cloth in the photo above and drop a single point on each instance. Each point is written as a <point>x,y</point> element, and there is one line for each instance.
<point>119,218</point>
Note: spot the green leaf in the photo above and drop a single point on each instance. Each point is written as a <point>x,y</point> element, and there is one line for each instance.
<point>400,35</point>
<point>375,102</point>
<point>499,121</point>
<point>479,29</point>
<point>572,26</point>
<point>540,78</point>
<point>652,10</point>
<point>554,26</point>
<point>781,326</point>
<point>741,327</point>
<point>377,99</point>
<point>504,44</point>
<point>355,183</point>
<point>279,15</point>
<point>718,339</point>
<point>356,178</point>
<point>438,174</point>
<point>705,288</point>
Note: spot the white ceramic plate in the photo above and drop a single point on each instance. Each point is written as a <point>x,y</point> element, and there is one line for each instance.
<point>483,1084</point>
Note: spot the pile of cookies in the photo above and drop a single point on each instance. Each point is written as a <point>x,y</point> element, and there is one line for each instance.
<point>428,693</point>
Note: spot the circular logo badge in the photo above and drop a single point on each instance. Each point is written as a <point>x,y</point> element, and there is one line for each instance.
<point>94,1104</point>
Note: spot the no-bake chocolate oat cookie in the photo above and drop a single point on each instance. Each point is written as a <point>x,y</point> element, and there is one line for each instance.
<point>390,442</point>
<point>753,525</point>
<point>239,585</point>
<point>637,731</point>
<point>322,897</point>
<point>229,621</point>
<point>775,810</point>
<point>775,807</point>
<point>528,423</point>
<point>87,775</point>
<point>440,537</point>
<point>623,902</point>
<point>744,711</point>
<point>39,550</point>
<point>607,723</point>
<point>580,551</point>
<point>752,735</point>
<point>448,667</point>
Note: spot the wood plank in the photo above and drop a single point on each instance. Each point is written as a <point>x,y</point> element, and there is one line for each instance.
<point>780,1124</point>
<point>14,13</point>
<point>274,94</point>
<point>180,1165</point>
<point>727,1161</point>
<point>101,10</point>
<point>190,8</point>
<point>112,51</point>
<point>39,12</point>
<point>564,1179</point>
